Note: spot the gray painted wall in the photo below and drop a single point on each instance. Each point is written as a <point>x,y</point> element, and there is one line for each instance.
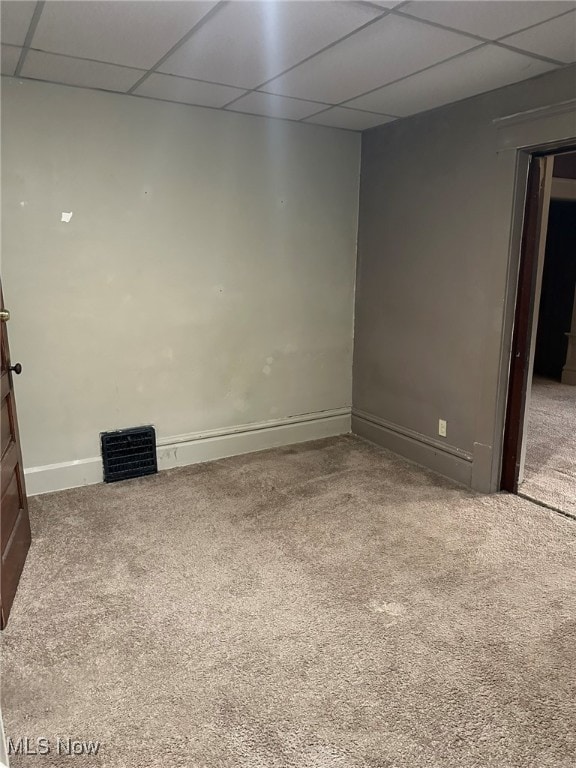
<point>205,280</point>
<point>430,295</point>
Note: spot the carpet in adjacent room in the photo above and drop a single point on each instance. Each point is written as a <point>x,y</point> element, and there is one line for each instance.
<point>550,471</point>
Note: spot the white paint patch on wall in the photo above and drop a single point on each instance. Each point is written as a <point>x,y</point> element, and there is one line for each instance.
<point>183,293</point>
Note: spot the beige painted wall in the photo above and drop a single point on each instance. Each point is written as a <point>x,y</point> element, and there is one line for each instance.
<point>206,277</point>
<point>432,277</point>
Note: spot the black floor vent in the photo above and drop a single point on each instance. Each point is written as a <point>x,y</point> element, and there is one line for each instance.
<point>128,453</point>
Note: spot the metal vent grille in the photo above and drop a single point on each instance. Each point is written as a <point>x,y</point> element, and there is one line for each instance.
<point>128,453</point>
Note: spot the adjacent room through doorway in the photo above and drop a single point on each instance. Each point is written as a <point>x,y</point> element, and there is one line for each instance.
<point>549,475</point>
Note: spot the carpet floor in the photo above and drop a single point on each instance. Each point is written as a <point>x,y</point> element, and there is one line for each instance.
<point>550,471</point>
<point>326,605</point>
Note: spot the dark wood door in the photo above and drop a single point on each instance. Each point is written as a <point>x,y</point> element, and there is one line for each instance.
<point>535,216</point>
<point>14,520</point>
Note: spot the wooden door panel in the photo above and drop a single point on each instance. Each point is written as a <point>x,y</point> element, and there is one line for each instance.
<point>10,511</point>
<point>14,520</point>
<point>9,463</point>
<point>6,385</point>
<point>5,428</point>
<point>13,561</point>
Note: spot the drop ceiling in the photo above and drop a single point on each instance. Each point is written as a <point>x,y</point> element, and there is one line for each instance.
<point>352,65</point>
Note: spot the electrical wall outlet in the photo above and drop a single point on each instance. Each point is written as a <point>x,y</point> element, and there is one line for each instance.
<point>442,427</point>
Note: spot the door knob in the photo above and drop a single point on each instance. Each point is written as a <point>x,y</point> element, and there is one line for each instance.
<point>16,368</point>
<point>4,315</point>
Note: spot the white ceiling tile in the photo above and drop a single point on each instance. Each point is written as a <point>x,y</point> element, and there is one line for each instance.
<point>340,117</point>
<point>89,74</point>
<point>15,17</point>
<point>173,88</point>
<point>386,50</point>
<point>477,71</point>
<point>10,57</point>
<point>555,39</point>
<point>257,103</point>
<point>487,19</point>
<point>247,43</point>
<point>135,34</point>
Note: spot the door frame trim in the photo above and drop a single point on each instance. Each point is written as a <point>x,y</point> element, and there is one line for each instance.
<point>544,130</point>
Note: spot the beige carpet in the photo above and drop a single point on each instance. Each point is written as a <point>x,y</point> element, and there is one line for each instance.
<point>550,473</point>
<point>322,606</point>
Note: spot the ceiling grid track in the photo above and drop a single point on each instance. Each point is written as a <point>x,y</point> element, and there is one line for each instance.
<point>29,35</point>
<point>204,20</point>
<point>277,97</point>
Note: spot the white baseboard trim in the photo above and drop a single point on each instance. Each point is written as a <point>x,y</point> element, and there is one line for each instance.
<point>196,447</point>
<point>443,458</point>
<point>67,474</point>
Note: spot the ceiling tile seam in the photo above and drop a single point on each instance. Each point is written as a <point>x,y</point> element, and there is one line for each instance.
<point>66,85</point>
<point>164,74</point>
<point>350,109</point>
<point>305,120</point>
<point>85,58</point>
<point>257,114</point>
<point>406,15</point>
<point>200,80</point>
<point>137,69</point>
<point>470,97</point>
<point>170,101</point>
<point>277,96</point>
<point>385,12</point>
<point>497,43</point>
<point>141,69</point>
<point>296,98</point>
<point>366,4</point>
<point>390,118</point>
<point>368,111</point>
<point>464,98</point>
<point>115,91</point>
<point>437,64</point>
<point>327,104</point>
<point>438,25</point>
<point>29,35</point>
<point>320,112</point>
<point>222,109</point>
<point>389,11</point>
<point>202,22</point>
<point>404,77</point>
<point>375,6</point>
<point>538,24</point>
<point>531,54</point>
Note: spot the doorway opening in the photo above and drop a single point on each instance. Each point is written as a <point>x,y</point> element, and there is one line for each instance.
<point>539,449</point>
